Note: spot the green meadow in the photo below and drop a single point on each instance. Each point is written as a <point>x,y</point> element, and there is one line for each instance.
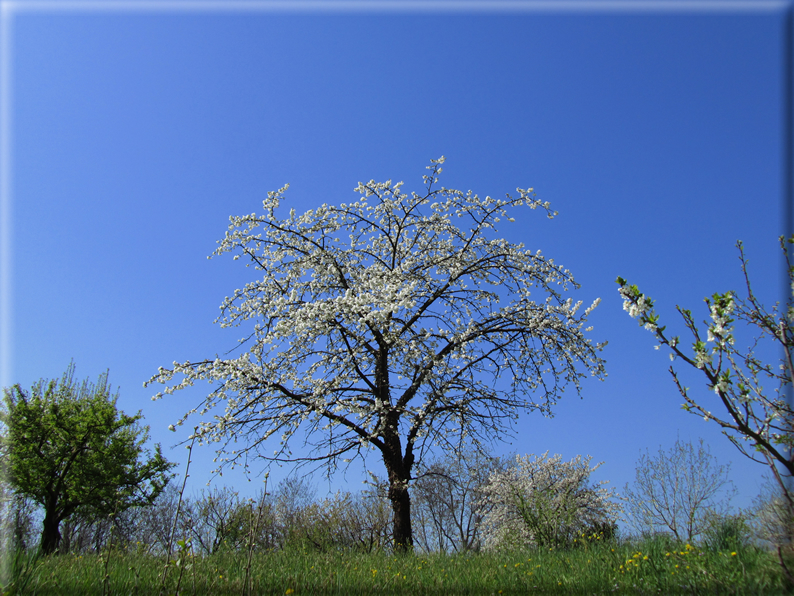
<point>646,567</point>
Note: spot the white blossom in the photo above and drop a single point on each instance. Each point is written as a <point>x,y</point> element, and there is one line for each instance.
<point>380,319</point>
<point>702,357</point>
<point>722,384</point>
<point>755,420</point>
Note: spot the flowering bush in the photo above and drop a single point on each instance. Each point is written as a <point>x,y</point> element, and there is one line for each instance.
<point>546,502</point>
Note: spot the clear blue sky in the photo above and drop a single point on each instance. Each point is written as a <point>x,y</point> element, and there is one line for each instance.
<point>135,135</point>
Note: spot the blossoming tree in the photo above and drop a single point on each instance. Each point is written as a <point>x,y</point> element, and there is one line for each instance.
<point>382,324</point>
<point>758,421</point>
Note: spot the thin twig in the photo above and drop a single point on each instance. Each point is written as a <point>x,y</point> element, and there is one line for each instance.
<point>251,536</point>
<point>176,516</point>
<point>106,578</point>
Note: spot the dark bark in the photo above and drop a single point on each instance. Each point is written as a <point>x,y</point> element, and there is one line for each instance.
<point>50,533</point>
<point>399,470</point>
<point>397,466</point>
<point>401,507</point>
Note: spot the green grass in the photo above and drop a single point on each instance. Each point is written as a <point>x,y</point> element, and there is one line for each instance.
<point>651,567</point>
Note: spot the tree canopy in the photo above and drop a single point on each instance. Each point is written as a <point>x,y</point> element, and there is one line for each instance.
<point>71,450</point>
<point>386,324</point>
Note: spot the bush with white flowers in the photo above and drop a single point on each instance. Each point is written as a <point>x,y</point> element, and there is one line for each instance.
<point>545,502</point>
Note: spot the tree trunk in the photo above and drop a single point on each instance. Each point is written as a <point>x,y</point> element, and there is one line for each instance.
<point>401,506</point>
<point>397,465</point>
<point>399,472</point>
<point>50,534</point>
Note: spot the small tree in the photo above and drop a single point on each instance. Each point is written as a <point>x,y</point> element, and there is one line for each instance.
<point>678,490</point>
<point>365,519</point>
<point>382,324</point>
<point>543,501</point>
<point>448,496</point>
<point>758,421</point>
<point>71,451</point>
<point>17,520</point>
<point>769,515</point>
<point>155,522</point>
<point>217,520</point>
<point>17,512</point>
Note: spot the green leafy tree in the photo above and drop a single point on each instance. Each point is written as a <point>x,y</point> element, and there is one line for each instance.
<point>73,452</point>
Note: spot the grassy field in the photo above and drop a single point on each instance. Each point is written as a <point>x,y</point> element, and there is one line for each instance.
<point>651,567</point>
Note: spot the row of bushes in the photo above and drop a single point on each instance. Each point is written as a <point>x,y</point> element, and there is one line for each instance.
<point>219,519</point>
<point>451,513</point>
